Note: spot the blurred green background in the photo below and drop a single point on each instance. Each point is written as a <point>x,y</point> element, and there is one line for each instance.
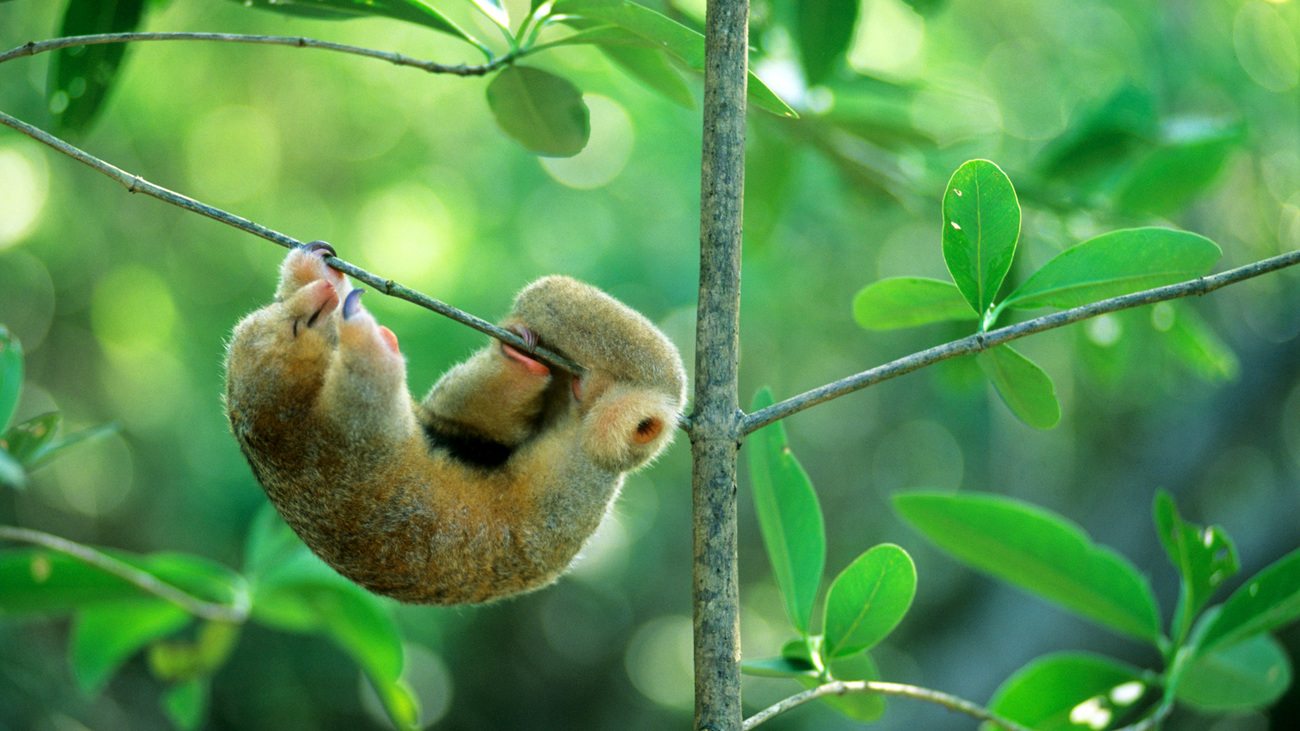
<point>1104,114</point>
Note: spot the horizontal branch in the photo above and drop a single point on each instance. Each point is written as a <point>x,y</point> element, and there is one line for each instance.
<point>136,184</point>
<point>234,613</point>
<point>983,341</point>
<point>34,47</point>
<point>839,687</point>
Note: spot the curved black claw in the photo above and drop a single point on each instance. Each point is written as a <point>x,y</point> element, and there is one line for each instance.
<point>352,303</point>
<point>316,246</point>
<point>529,337</point>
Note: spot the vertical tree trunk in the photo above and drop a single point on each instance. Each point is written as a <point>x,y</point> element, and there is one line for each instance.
<point>715,431</point>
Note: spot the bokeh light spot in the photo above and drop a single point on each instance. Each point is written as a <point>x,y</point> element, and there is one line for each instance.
<point>426,674</point>
<point>24,188</point>
<point>409,233</point>
<point>1266,47</point>
<point>132,309</point>
<point>27,307</point>
<point>233,154</point>
<point>1019,76</point>
<point>93,479</point>
<point>659,661</point>
<point>1104,331</point>
<point>606,152</point>
<point>889,38</point>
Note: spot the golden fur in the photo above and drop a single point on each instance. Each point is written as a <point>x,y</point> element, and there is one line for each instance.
<point>488,487</point>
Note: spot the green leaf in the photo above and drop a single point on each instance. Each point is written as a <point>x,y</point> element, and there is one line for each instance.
<point>26,441</point>
<point>926,7</point>
<point>105,635</point>
<point>181,661</point>
<point>186,705</point>
<point>1195,344</point>
<point>540,111</point>
<point>1103,139</point>
<point>824,30</point>
<point>868,600</point>
<point>1204,557</point>
<point>1044,694</point>
<point>195,575</point>
<point>1267,601</point>
<point>12,473</point>
<point>56,447</point>
<point>651,68</point>
<point>878,111</point>
<point>861,707</point>
<point>667,34</point>
<point>1025,388</point>
<point>495,11</point>
<point>299,593</point>
<point>778,667</point>
<point>1040,552</point>
<point>37,581</point>
<point>1192,153</point>
<point>907,302</point>
<point>81,76</point>
<point>33,443</point>
<point>1247,675</point>
<point>271,543</point>
<point>11,376</point>
<point>1116,263</point>
<point>788,516</point>
<point>981,224</point>
<point>592,32</point>
<point>410,11</point>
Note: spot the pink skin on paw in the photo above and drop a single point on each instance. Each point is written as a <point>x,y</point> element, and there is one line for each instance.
<point>322,299</point>
<point>389,338</point>
<point>534,367</point>
<point>308,264</point>
<point>352,308</point>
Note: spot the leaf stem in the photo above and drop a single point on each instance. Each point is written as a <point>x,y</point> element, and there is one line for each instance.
<point>234,613</point>
<point>136,184</point>
<point>983,341</point>
<point>34,47</point>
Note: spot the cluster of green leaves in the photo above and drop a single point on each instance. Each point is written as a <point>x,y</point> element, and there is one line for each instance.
<point>1217,659</point>
<point>981,229</point>
<point>539,109</point>
<point>823,30</point>
<point>282,586</point>
<point>865,602</point>
<point>1122,153</point>
<point>33,443</point>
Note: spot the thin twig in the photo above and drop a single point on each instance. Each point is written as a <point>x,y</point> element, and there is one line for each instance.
<point>137,184</point>
<point>235,613</point>
<point>34,47</point>
<point>983,341</point>
<point>840,687</point>
<point>951,702</point>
